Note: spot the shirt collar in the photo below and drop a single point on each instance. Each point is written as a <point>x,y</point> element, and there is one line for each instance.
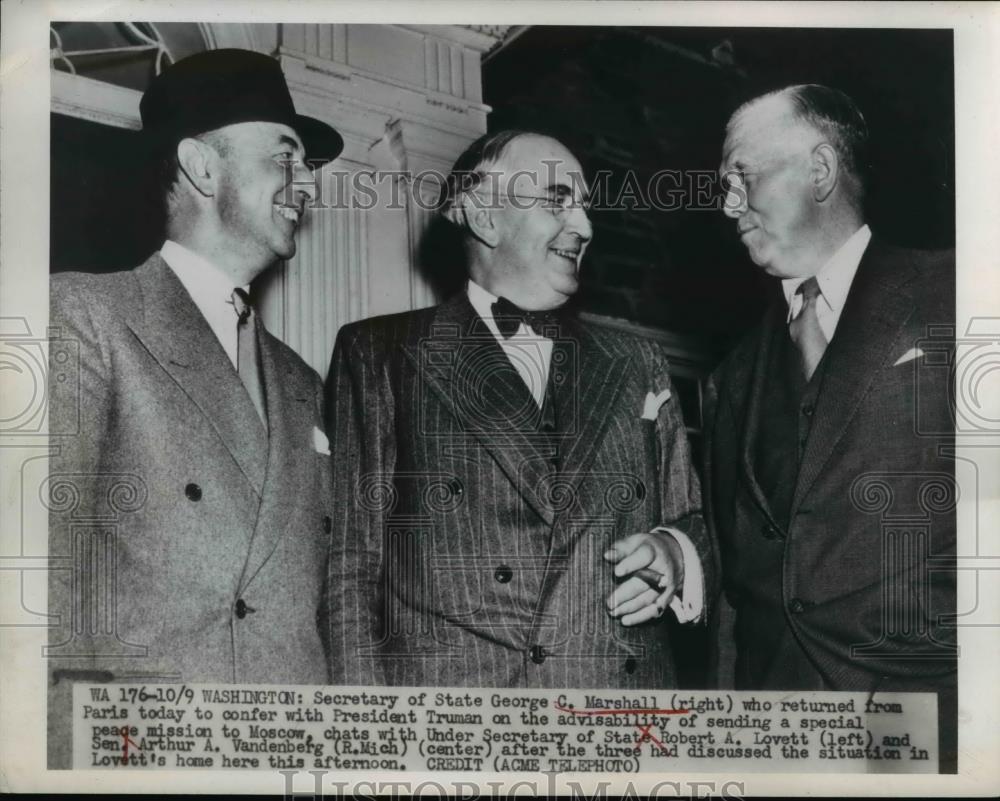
<point>834,277</point>
<point>482,301</point>
<point>204,282</point>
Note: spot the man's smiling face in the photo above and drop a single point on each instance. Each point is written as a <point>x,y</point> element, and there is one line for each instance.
<point>543,226</point>
<point>263,190</point>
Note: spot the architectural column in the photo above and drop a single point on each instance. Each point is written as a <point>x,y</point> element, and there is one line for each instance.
<point>407,100</point>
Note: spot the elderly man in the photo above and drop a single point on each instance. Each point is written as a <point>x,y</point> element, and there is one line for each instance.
<point>503,469</point>
<point>835,516</point>
<point>190,488</point>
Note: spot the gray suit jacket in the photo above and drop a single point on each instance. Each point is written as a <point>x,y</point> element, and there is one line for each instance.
<point>461,555</point>
<point>187,544</point>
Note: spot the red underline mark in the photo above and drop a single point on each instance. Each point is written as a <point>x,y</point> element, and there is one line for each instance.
<point>588,712</point>
<point>644,731</point>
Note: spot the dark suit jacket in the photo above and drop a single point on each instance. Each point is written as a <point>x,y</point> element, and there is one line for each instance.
<point>165,485</point>
<point>459,556</point>
<point>867,574</point>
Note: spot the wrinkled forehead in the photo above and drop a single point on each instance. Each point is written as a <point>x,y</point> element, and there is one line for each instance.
<point>537,163</point>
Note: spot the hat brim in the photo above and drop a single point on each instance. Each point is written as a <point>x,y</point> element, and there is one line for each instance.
<point>322,142</point>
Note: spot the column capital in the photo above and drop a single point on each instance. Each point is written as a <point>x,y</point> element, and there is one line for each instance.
<point>420,147</point>
<point>481,38</point>
<point>345,85</point>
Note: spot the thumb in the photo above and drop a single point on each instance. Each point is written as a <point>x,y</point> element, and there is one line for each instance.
<point>621,548</point>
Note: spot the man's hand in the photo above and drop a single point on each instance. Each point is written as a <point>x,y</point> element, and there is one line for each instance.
<point>654,565</point>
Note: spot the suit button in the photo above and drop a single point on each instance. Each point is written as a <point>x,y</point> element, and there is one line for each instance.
<point>193,492</point>
<point>327,524</point>
<point>770,532</point>
<point>807,409</point>
<point>503,574</point>
<point>537,654</point>
<point>796,606</point>
<point>631,665</point>
<point>456,488</point>
<point>243,609</point>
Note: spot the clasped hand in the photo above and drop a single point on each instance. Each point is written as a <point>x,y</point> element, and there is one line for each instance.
<point>654,567</point>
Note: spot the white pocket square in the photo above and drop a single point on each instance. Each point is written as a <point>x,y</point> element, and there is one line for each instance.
<point>320,443</point>
<point>652,404</point>
<point>909,356</point>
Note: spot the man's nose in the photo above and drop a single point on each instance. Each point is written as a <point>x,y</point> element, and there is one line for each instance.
<point>734,204</point>
<point>579,223</point>
<point>303,180</point>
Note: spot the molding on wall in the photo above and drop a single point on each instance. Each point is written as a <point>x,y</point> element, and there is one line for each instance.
<point>87,99</point>
<point>341,85</point>
<point>477,37</point>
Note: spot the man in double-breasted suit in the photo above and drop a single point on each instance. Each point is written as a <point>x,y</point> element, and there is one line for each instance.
<point>831,490</point>
<point>503,468</point>
<point>189,484</point>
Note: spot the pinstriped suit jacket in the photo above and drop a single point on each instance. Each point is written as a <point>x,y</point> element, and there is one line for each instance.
<point>460,556</point>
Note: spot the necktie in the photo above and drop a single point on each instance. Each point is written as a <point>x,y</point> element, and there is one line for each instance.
<point>509,317</point>
<point>805,329</point>
<point>248,353</point>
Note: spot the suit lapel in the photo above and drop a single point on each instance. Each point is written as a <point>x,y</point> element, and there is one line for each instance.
<point>753,373</point>
<point>877,307</point>
<point>175,333</point>
<point>466,369</point>
<point>290,419</point>
<point>590,382</point>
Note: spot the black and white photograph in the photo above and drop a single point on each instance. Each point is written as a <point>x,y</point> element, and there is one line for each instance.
<point>535,400</point>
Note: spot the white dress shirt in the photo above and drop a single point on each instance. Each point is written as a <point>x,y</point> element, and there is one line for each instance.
<point>689,601</point>
<point>834,279</point>
<point>531,355</point>
<point>210,289</point>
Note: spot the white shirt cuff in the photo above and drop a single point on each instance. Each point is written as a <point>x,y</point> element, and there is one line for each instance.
<point>689,603</point>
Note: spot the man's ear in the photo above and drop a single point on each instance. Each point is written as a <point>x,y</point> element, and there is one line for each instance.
<point>478,220</point>
<point>825,171</point>
<point>197,161</point>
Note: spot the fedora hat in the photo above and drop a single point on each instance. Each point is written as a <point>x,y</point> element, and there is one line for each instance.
<point>223,87</point>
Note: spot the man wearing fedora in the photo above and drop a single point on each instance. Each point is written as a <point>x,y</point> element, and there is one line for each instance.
<point>192,546</point>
